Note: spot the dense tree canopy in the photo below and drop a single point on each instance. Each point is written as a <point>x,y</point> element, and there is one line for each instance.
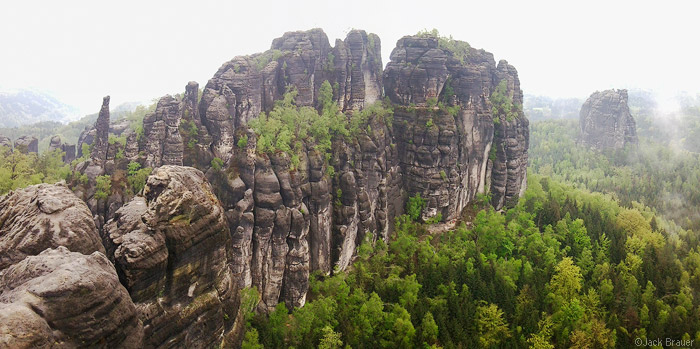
<point>18,170</point>
<point>664,178</point>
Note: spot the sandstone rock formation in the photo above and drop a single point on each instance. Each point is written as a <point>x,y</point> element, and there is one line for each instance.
<point>55,143</point>
<point>66,299</point>
<point>163,143</point>
<point>27,144</point>
<point>171,250</point>
<point>101,143</point>
<point>57,288</point>
<point>606,122</point>
<point>67,149</point>
<point>5,142</point>
<point>248,85</point>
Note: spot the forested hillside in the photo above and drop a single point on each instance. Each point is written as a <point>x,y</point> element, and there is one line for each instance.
<point>656,175</point>
<point>24,107</point>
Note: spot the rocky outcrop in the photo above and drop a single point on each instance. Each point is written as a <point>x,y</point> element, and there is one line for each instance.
<point>57,288</point>
<point>5,142</point>
<point>171,249</point>
<point>27,144</point>
<point>195,136</point>
<point>66,299</point>
<point>246,86</point>
<point>606,122</point>
<point>163,143</point>
<point>42,217</point>
<point>67,149</point>
<point>508,171</point>
<point>101,143</point>
<point>55,143</point>
<point>446,129</point>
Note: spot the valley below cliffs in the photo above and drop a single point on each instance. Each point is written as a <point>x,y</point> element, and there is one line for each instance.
<point>280,166</point>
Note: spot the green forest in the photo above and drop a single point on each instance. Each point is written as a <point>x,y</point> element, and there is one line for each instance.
<point>18,170</point>
<point>659,176</point>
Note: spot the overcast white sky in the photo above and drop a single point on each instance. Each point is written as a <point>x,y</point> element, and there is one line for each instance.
<point>139,50</point>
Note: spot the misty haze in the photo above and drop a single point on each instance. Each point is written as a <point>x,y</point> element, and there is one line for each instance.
<point>349,175</point>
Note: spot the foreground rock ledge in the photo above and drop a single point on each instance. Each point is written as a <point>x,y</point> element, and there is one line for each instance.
<point>57,288</point>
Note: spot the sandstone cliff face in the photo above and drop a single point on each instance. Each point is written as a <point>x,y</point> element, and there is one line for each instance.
<point>445,155</point>
<point>508,170</point>
<point>606,122</point>
<point>57,288</point>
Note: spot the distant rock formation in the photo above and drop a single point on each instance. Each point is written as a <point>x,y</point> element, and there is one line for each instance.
<point>55,143</point>
<point>606,122</point>
<point>67,149</point>
<point>163,142</point>
<point>101,144</point>
<point>27,144</point>
<point>5,142</point>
